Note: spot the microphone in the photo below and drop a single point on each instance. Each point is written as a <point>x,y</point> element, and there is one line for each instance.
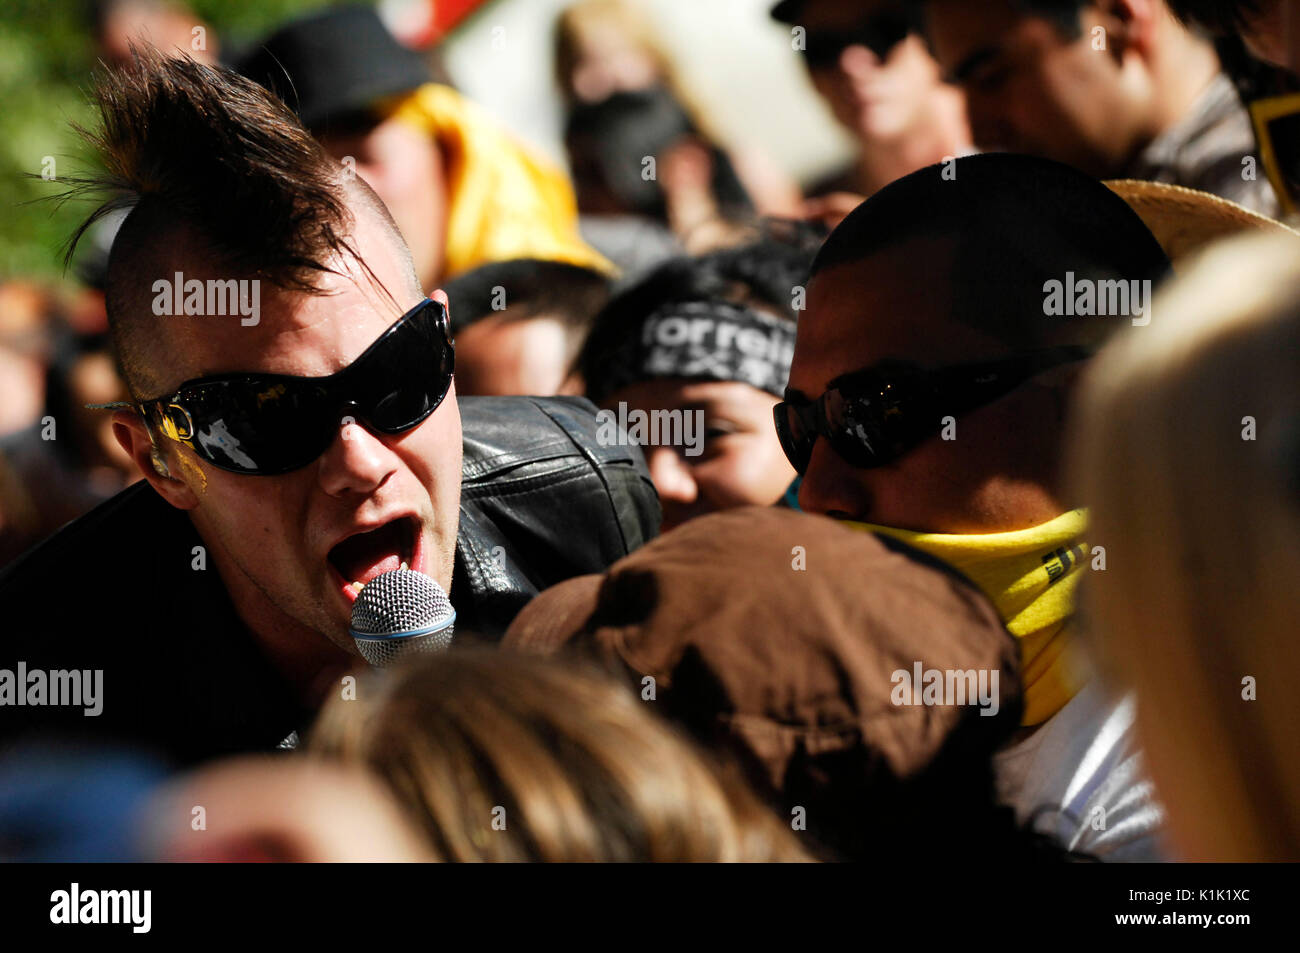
<point>398,613</point>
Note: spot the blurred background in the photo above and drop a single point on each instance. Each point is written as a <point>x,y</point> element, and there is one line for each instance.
<point>716,91</point>
<point>730,57</point>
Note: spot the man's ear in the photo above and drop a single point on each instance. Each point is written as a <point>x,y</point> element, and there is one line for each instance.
<point>133,436</point>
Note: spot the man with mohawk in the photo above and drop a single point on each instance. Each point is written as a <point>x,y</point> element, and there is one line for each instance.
<point>289,460</point>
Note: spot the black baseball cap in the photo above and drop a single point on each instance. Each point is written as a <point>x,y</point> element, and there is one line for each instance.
<point>335,64</point>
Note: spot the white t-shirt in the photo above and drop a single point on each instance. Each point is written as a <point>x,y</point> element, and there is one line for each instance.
<point>1080,778</point>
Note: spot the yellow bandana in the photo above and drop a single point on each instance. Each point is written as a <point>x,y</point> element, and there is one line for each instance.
<point>1030,576</point>
<point>503,201</point>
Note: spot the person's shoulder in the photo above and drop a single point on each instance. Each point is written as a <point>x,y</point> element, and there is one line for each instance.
<point>108,541</point>
<point>545,495</point>
<point>508,432</point>
<point>1081,778</point>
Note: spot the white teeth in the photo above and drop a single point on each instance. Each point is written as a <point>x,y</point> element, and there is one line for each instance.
<point>357,586</point>
<point>404,565</point>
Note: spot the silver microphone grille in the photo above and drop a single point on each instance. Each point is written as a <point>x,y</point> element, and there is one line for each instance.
<point>401,612</point>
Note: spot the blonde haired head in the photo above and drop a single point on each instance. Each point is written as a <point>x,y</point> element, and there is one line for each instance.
<point>1188,454</point>
<point>499,756</point>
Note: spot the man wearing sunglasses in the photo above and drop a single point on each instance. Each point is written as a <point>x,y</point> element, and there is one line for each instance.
<point>927,401</point>
<point>868,62</point>
<point>289,459</point>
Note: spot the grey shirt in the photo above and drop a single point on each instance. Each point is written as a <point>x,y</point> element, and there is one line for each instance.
<point>1205,148</point>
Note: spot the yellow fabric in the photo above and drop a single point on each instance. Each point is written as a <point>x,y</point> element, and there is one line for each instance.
<point>503,202</point>
<point>1031,577</point>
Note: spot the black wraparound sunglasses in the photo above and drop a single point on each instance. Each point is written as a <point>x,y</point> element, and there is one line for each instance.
<point>880,34</point>
<point>266,424</point>
<point>875,416</point>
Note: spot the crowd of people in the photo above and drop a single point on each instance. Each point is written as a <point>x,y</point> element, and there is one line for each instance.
<point>945,504</point>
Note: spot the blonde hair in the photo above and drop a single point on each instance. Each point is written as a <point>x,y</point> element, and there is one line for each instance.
<point>505,757</point>
<point>1188,453</point>
<point>577,23</point>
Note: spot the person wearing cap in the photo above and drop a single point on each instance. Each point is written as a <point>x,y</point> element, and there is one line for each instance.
<point>869,63</point>
<point>932,373</point>
<point>790,646</point>
<point>1116,88</point>
<point>704,344</point>
<point>462,191</point>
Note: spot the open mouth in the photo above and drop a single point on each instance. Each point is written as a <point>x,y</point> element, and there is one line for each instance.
<point>360,558</point>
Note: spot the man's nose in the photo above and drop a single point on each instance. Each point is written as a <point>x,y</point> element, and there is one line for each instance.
<point>671,475</point>
<point>831,486</point>
<point>356,462</point>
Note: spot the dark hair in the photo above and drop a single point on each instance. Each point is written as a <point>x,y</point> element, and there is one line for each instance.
<point>1225,17</point>
<point>765,271</point>
<point>527,287</point>
<point>201,152</point>
<point>1062,14</point>
<point>1010,224</point>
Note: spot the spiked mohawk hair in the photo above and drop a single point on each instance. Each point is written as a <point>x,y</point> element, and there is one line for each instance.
<point>203,152</point>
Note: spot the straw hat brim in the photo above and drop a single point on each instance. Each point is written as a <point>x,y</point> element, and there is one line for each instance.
<point>1185,220</point>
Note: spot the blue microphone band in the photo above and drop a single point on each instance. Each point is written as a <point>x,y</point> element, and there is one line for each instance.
<point>384,636</point>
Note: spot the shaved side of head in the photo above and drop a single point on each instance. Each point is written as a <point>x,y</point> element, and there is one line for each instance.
<point>223,182</point>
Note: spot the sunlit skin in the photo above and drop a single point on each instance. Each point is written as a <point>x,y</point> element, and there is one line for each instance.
<point>405,168</point>
<point>741,463</point>
<point>999,474</point>
<point>1033,89</point>
<point>499,356</point>
<point>269,536</point>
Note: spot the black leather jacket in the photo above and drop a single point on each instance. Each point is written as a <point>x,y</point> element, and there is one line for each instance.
<point>540,502</point>
<point>115,590</point>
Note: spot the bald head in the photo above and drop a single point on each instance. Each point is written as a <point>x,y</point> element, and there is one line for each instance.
<point>990,233</point>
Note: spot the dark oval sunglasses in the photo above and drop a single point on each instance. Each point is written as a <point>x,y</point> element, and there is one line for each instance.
<point>874,416</point>
<point>267,424</point>
<point>880,34</point>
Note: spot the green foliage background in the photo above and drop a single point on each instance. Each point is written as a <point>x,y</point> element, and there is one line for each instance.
<point>47,58</point>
